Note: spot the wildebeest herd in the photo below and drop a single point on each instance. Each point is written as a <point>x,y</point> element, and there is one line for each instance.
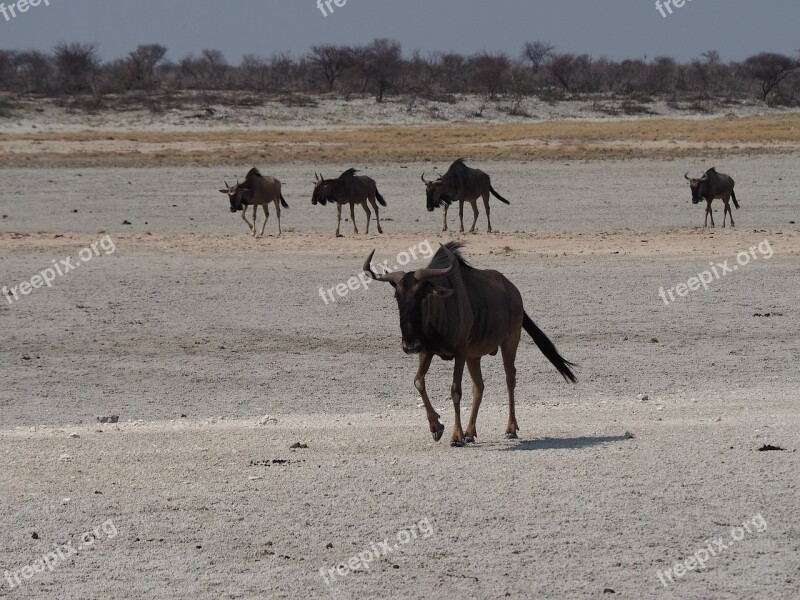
<point>449,309</point>
<point>459,184</point>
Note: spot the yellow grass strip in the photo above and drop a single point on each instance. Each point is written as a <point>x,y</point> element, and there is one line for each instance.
<point>536,140</point>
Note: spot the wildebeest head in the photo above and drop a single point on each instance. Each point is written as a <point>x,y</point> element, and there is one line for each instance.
<point>239,196</point>
<point>412,290</point>
<point>323,188</point>
<point>699,187</point>
<point>435,193</point>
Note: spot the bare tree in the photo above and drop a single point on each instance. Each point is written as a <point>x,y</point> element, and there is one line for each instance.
<point>142,64</point>
<point>770,69</point>
<point>662,75</point>
<point>209,71</point>
<point>489,72</point>
<point>77,66</point>
<point>537,53</point>
<point>285,73</point>
<point>568,68</point>
<point>255,72</point>
<point>453,68</point>
<point>381,62</point>
<point>215,66</point>
<point>331,60</point>
<point>6,68</point>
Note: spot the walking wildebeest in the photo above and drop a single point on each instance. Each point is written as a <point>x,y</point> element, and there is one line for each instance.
<point>461,313</point>
<point>711,186</point>
<point>463,184</point>
<point>256,191</point>
<point>352,189</point>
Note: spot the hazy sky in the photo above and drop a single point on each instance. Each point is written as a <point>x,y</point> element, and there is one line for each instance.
<point>613,28</point>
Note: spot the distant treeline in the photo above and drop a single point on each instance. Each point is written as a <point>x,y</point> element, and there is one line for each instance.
<point>380,68</point>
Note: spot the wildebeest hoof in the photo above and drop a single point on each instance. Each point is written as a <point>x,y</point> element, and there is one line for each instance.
<point>511,436</point>
<point>339,235</point>
<point>457,444</point>
<point>468,439</point>
<point>437,435</point>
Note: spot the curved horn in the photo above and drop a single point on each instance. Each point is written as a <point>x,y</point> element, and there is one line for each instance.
<point>687,176</point>
<point>425,274</point>
<point>393,277</point>
<point>226,184</point>
<point>425,181</point>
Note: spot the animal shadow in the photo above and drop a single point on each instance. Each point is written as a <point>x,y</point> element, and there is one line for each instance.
<point>563,443</point>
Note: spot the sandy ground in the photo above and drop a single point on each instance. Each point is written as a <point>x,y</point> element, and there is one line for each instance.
<point>192,332</point>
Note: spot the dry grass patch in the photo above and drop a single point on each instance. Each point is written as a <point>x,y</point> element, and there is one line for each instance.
<point>656,138</point>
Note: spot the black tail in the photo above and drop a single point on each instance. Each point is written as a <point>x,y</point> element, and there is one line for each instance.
<point>733,197</point>
<point>548,349</point>
<point>283,202</point>
<point>498,196</point>
<point>381,201</point>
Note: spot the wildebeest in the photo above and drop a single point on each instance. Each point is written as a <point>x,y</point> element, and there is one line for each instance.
<point>711,186</point>
<point>462,184</point>
<point>351,189</point>
<point>457,312</point>
<point>256,191</point>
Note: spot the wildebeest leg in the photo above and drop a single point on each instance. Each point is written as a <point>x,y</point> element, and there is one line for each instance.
<point>278,214</point>
<point>353,216</point>
<point>474,367</point>
<point>461,214</point>
<point>709,213</point>
<point>369,215</point>
<point>444,219</point>
<point>249,226</point>
<point>266,218</point>
<point>338,219</point>
<point>419,382</point>
<point>486,206</point>
<point>377,214</point>
<point>455,393</point>
<point>255,218</point>
<point>474,215</point>
<point>509,352</point>
<point>728,211</point>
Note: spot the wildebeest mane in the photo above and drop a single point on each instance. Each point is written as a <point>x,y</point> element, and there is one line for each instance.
<point>440,260</point>
<point>250,177</point>
<point>457,173</point>
<point>349,173</point>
